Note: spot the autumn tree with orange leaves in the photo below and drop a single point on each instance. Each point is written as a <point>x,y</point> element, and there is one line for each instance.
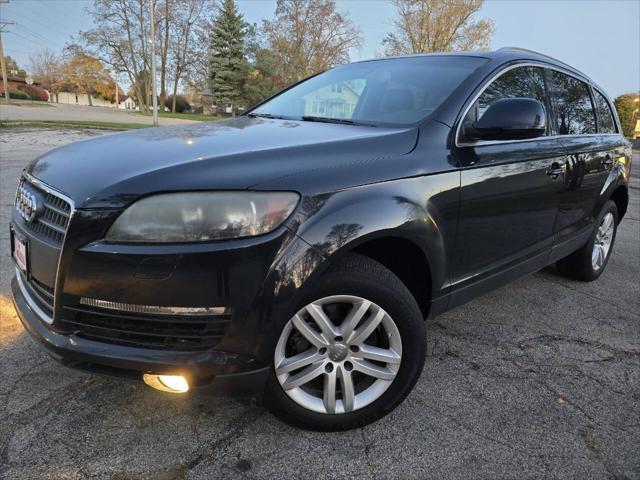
<point>425,26</point>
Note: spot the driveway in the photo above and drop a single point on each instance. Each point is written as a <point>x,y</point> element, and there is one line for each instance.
<point>61,112</point>
<point>539,379</point>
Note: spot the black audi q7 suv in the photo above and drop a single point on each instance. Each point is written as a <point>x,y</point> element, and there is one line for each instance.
<point>296,251</point>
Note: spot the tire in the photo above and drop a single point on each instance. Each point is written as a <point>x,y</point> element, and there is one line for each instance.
<point>581,265</point>
<point>352,282</point>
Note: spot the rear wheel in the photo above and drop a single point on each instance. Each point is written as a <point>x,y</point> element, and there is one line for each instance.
<point>589,262</point>
<point>351,353</point>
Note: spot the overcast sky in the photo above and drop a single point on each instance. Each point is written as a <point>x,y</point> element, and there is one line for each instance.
<point>599,37</point>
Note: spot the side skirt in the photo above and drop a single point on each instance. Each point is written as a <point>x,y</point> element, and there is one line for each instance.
<point>567,247</point>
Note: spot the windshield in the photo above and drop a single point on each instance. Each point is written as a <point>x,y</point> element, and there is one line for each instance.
<point>399,91</point>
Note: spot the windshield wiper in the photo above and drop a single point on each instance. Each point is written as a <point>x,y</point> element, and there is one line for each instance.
<point>266,115</point>
<point>345,121</point>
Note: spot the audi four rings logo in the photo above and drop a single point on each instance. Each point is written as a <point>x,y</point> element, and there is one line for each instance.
<point>27,203</point>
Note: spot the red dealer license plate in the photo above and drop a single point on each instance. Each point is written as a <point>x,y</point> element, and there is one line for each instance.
<point>20,252</point>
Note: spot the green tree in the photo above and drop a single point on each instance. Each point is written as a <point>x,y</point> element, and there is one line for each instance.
<point>261,80</point>
<point>227,62</point>
<point>628,107</point>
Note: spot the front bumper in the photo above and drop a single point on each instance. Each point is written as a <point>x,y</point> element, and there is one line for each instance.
<point>254,281</point>
<point>220,371</point>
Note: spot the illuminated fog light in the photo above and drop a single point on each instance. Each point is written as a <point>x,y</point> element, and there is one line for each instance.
<point>167,383</point>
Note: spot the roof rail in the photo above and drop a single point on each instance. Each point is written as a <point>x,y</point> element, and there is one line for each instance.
<point>518,49</point>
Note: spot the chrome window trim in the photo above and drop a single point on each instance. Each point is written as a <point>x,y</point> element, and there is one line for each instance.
<point>468,106</point>
<point>49,189</point>
<point>44,316</point>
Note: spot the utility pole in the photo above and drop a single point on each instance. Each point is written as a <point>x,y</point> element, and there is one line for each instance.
<point>2,62</point>
<point>117,98</point>
<point>154,93</point>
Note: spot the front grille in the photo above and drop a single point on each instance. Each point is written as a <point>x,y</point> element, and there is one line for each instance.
<point>40,292</point>
<point>161,332</point>
<point>52,221</point>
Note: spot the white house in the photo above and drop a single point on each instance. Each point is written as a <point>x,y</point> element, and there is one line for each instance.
<point>127,103</point>
<point>72,98</point>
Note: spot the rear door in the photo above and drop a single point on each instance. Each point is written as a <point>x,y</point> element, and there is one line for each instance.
<point>508,202</point>
<point>588,150</point>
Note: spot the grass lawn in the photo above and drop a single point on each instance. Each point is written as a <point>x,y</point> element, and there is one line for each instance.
<point>25,103</point>
<point>185,116</point>
<point>73,123</point>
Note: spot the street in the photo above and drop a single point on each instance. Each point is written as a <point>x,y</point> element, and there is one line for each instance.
<point>539,379</point>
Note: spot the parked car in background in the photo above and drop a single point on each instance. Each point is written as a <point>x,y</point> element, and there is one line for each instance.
<point>295,251</point>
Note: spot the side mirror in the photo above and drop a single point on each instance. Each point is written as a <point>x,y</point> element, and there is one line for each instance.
<point>509,119</point>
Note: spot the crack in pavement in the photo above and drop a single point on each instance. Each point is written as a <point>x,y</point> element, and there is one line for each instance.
<point>370,466</point>
<point>240,423</point>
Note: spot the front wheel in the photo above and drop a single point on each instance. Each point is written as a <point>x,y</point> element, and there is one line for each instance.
<point>588,263</point>
<point>351,353</point>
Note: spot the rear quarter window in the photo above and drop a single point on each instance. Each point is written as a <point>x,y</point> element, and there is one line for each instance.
<point>606,124</point>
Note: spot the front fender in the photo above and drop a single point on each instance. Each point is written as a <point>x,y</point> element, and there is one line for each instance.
<point>420,209</point>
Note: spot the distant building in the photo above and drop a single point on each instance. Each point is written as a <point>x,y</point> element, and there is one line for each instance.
<point>210,107</point>
<point>335,101</point>
<point>127,103</point>
<point>72,98</point>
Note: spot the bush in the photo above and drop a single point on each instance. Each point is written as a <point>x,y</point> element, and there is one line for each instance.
<point>17,94</point>
<point>35,93</point>
<point>181,103</point>
<point>21,91</point>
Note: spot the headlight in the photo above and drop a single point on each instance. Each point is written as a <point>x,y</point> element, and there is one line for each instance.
<point>202,216</point>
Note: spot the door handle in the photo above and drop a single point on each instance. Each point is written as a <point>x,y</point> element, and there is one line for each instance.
<point>607,161</point>
<point>555,170</point>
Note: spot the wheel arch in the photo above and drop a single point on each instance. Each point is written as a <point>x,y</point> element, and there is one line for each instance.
<point>620,197</point>
<point>403,234</point>
<point>406,260</point>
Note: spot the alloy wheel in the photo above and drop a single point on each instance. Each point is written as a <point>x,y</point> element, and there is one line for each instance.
<point>603,240</point>
<point>338,354</point>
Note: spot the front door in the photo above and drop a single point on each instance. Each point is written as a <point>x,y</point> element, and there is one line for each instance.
<point>508,196</point>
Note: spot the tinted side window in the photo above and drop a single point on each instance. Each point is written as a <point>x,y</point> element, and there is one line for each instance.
<point>573,109</point>
<point>606,124</point>
<point>521,82</point>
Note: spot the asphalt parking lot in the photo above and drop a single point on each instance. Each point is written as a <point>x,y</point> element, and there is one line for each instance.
<point>539,379</point>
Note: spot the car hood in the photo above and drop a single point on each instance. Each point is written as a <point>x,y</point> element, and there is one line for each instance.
<point>113,170</point>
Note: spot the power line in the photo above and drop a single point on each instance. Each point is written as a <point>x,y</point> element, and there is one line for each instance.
<point>55,6</point>
<point>34,20</point>
<point>31,39</point>
<point>28,52</point>
<point>33,16</point>
<point>31,32</point>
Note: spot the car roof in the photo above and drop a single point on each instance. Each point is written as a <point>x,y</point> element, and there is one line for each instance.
<point>502,55</point>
